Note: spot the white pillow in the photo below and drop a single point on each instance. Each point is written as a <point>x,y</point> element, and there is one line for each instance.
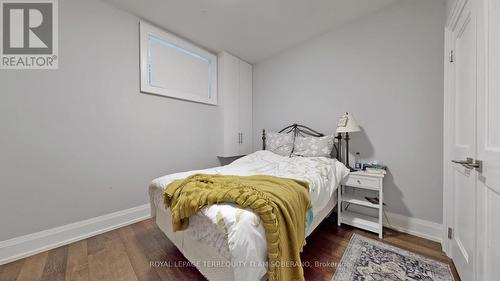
<point>313,146</point>
<point>281,144</point>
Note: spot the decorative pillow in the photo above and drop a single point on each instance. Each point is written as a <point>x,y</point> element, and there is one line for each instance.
<point>281,144</point>
<point>313,146</point>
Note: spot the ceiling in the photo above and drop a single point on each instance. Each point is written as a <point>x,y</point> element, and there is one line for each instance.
<point>250,29</point>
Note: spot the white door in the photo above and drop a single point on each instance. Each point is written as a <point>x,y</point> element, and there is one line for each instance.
<point>245,108</point>
<point>488,130</point>
<point>463,142</point>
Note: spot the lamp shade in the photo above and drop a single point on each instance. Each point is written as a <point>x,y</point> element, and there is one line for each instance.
<point>347,124</point>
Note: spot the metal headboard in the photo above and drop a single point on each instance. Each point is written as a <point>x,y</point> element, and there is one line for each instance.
<point>299,130</point>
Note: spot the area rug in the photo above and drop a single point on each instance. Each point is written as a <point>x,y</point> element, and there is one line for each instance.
<point>367,259</point>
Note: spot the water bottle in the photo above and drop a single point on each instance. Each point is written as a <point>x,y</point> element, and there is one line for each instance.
<point>357,161</point>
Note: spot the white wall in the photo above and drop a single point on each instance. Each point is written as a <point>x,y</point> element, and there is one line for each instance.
<point>387,70</point>
<point>81,141</point>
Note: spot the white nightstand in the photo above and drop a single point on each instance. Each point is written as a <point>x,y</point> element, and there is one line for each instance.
<point>367,181</point>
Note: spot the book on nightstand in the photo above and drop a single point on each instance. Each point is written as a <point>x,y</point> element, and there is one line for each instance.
<point>378,169</point>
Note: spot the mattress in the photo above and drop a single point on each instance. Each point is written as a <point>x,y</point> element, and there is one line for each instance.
<point>226,242</point>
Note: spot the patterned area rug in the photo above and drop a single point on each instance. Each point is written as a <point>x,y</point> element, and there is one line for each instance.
<point>367,259</point>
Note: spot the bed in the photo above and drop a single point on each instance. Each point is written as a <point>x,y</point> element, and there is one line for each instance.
<point>226,242</point>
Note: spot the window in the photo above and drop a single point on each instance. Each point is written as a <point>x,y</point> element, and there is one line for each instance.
<point>173,67</point>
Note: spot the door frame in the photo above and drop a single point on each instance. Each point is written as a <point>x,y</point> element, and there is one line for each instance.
<point>447,190</point>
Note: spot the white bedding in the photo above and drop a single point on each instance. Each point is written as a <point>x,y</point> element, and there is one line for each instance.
<point>237,233</point>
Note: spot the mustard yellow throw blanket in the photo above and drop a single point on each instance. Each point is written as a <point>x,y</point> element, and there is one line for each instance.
<point>280,203</point>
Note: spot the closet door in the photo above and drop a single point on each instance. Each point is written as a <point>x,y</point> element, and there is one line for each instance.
<point>245,108</point>
<point>231,104</point>
<point>488,124</point>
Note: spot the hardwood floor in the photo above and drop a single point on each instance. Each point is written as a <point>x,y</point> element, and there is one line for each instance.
<point>126,253</point>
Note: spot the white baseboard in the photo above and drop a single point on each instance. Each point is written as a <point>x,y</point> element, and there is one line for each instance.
<point>418,227</point>
<point>31,244</point>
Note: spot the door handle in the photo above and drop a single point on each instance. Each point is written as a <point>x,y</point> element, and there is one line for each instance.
<point>463,162</point>
<point>470,164</point>
<point>473,166</point>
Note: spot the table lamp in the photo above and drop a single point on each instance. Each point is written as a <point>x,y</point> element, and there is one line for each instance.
<point>347,124</point>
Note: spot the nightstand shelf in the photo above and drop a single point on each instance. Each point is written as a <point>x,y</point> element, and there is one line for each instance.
<point>360,220</point>
<point>358,200</point>
<point>370,183</point>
